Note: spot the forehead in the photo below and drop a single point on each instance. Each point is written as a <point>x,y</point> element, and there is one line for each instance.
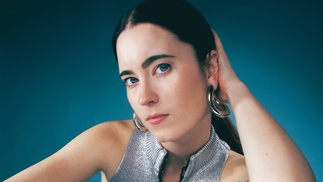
<point>136,38</point>
<point>144,40</point>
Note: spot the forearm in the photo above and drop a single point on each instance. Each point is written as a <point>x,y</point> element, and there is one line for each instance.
<point>269,151</point>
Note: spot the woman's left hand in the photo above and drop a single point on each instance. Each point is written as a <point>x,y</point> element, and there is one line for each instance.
<point>227,78</point>
<point>268,149</point>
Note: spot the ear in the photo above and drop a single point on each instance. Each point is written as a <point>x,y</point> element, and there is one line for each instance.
<point>213,68</point>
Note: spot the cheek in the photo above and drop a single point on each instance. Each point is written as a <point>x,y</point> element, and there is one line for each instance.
<point>187,87</point>
<point>131,98</point>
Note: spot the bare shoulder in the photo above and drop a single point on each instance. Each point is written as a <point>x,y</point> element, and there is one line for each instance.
<point>113,130</point>
<point>109,135</point>
<point>112,137</point>
<point>115,136</point>
<point>98,148</point>
<point>235,169</point>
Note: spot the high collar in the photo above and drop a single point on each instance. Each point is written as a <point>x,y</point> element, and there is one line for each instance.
<point>156,153</point>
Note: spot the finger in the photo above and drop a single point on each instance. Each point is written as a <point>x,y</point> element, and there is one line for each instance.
<point>218,42</point>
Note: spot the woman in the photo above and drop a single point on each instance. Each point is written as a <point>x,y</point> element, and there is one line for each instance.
<point>177,76</point>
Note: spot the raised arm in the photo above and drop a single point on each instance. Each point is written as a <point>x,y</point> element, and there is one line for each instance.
<point>271,155</point>
<point>98,149</point>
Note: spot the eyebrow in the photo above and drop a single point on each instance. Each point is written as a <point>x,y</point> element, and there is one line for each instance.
<point>147,62</point>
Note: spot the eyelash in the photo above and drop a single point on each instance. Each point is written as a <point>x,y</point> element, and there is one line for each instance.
<point>134,80</point>
<point>163,72</point>
<point>129,78</point>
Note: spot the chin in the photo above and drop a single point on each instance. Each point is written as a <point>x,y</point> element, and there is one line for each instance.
<point>166,136</point>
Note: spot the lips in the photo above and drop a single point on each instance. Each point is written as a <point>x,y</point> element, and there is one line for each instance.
<point>156,118</point>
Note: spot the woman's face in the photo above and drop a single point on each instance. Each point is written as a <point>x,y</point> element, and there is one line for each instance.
<point>165,85</point>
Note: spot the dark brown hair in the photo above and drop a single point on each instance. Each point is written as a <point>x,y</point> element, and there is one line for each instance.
<point>183,20</point>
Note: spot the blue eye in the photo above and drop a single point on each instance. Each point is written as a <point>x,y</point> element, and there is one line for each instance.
<point>130,81</point>
<point>162,68</point>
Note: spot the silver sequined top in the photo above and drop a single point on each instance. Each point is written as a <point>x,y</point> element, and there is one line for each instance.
<point>144,156</point>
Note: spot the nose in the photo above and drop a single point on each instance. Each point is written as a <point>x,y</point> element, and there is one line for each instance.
<point>147,94</point>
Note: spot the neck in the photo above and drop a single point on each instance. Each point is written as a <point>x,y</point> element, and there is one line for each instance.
<point>173,169</point>
<point>180,151</point>
<point>177,159</point>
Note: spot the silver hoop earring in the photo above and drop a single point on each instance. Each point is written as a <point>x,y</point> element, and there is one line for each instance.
<point>219,109</point>
<point>139,125</point>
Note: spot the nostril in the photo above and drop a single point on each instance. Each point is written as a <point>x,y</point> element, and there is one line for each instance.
<point>147,97</point>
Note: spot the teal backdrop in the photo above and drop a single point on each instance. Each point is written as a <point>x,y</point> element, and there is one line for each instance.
<point>58,76</point>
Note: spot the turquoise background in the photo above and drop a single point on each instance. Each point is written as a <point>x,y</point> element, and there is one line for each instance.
<point>58,76</point>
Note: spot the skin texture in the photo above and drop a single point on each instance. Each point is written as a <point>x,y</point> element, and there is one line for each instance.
<point>270,154</point>
<point>182,85</point>
<point>152,90</point>
<point>77,161</point>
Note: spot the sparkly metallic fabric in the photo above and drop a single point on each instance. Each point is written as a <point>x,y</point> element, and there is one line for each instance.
<point>144,156</point>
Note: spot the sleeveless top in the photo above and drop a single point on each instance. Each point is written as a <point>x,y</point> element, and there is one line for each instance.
<point>144,156</point>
